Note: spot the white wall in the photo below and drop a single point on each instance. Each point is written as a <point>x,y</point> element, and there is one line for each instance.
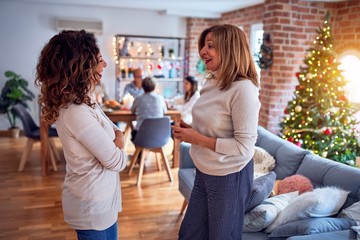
<point>26,27</point>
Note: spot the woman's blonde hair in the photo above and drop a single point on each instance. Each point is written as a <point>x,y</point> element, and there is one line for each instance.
<point>66,72</point>
<point>236,62</point>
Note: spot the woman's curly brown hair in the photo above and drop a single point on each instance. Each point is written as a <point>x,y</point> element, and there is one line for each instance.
<point>66,72</point>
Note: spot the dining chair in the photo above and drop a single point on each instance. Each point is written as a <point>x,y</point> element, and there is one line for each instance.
<point>32,132</point>
<point>153,135</point>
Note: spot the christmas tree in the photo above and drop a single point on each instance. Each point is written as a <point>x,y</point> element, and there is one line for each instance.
<point>320,117</point>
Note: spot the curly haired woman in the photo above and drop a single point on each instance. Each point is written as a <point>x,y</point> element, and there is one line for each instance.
<point>69,68</point>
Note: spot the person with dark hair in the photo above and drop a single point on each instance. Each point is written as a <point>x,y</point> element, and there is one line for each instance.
<point>148,105</point>
<point>184,105</point>
<point>69,68</point>
<point>222,136</point>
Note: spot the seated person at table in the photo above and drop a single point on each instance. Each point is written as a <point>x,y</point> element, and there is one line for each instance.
<point>184,105</point>
<point>135,87</point>
<point>148,105</point>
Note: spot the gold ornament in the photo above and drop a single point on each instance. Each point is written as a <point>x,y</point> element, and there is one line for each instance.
<point>309,76</point>
<point>298,108</point>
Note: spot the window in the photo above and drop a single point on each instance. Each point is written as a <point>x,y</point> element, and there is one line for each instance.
<point>350,64</point>
<point>256,38</point>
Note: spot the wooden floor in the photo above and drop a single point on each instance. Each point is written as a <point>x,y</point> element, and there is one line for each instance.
<point>30,205</point>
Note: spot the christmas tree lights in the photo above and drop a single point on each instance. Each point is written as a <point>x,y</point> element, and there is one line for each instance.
<point>320,117</point>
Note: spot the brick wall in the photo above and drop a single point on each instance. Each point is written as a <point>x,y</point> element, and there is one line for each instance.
<point>194,27</point>
<point>347,26</point>
<point>292,26</point>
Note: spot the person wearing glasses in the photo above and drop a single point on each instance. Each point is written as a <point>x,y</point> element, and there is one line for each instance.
<point>135,87</point>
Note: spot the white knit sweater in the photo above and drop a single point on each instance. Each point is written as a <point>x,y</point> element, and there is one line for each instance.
<point>91,191</point>
<point>230,116</point>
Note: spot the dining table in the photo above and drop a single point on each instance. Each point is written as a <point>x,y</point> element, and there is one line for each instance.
<point>128,117</point>
<point>121,115</point>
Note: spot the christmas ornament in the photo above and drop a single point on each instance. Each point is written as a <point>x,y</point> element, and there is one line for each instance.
<point>324,154</point>
<point>342,98</point>
<point>309,76</point>
<point>327,131</point>
<point>298,144</point>
<point>290,139</point>
<point>298,108</point>
<point>286,111</point>
<point>297,74</point>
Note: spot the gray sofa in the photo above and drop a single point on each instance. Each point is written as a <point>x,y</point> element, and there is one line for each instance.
<point>290,160</point>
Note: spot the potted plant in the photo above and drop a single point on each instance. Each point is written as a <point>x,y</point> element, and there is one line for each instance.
<point>14,91</point>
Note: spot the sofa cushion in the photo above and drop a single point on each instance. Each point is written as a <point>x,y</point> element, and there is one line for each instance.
<point>316,203</point>
<point>261,189</point>
<point>330,200</point>
<point>311,226</point>
<point>264,214</point>
<point>186,181</point>
<point>254,236</point>
<point>288,156</point>
<point>336,235</point>
<point>293,183</point>
<point>263,161</point>
<point>352,212</point>
<point>325,172</point>
<point>185,158</point>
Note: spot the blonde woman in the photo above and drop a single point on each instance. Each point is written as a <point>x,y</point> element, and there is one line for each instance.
<point>223,135</point>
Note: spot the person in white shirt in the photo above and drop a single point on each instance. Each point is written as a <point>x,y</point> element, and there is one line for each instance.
<point>184,105</point>
<point>222,136</point>
<point>69,68</point>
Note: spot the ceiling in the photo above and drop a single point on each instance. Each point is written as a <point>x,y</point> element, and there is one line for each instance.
<point>182,8</point>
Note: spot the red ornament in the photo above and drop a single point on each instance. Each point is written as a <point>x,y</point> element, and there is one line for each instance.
<point>286,111</point>
<point>297,74</point>
<point>331,60</point>
<point>303,122</point>
<point>298,144</point>
<point>159,67</point>
<point>290,139</point>
<point>327,131</point>
<point>342,98</point>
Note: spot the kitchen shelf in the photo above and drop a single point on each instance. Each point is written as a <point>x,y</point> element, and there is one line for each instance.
<point>155,55</point>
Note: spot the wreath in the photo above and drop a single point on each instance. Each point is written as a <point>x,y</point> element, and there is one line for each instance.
<point>265,56</point>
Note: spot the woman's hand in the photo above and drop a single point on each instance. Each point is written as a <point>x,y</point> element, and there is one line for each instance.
<point>183,124</point>
<point>184,132</point>
<point>119,139</point>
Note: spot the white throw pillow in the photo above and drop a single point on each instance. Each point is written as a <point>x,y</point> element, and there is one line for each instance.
<point>263,161</point>
<point>320,202</point>
<point>330,200</point>
<point>264,214</point>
